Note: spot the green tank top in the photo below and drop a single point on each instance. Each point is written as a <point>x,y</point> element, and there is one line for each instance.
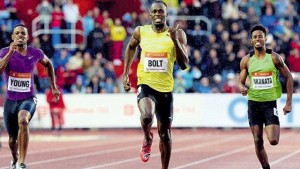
<point>155,68</point>
<point>264,79</point>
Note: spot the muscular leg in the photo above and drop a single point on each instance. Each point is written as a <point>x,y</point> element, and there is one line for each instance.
<point>23,135</point>
<point>273,132</point>
<point>13,145</point>
<point>257,132</point>
<point>165,143</point>
<point>147,108</point>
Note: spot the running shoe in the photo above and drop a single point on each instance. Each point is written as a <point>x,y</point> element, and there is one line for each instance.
<point>22,166</point>
<point>13,165</point>
<point>146,149</point>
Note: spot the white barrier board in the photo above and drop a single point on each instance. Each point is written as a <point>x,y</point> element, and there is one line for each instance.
<point>190,110</point>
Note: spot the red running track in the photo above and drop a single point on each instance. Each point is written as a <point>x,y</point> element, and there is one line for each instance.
<point>119,149</point>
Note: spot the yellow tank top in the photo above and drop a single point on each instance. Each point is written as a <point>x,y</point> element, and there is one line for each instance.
<point>155,68</point>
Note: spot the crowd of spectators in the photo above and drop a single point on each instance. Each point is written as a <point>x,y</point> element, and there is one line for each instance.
<point>96,66</point>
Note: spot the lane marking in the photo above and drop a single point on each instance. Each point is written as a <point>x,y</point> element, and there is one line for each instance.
<point>222,155</point>
<point>175,151</point>
<point>215,157</point>
<point>285,157</point>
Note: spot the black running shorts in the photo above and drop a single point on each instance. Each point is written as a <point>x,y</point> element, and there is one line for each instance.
<point>260,113</point>
<point>163,102</point>
<point>11,110</point>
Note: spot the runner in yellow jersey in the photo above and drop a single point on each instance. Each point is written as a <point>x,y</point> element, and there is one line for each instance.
<point>263,67</point>
<point>161,46</point>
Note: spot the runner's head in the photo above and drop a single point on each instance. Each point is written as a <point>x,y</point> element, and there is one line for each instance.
<point>20,35</point>
<point>258,37</point>
<point>158,14</point>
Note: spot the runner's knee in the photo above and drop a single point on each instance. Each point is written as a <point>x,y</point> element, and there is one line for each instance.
<point>259,143</point>
<point>273,142</point>
<point>11,141</point>
<point>146,119</point>
<point>165,135</point>
<point>23,122</point>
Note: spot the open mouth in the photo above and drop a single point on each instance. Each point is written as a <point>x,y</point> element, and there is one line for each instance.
<point>257,44</point>
<point>158,20</point>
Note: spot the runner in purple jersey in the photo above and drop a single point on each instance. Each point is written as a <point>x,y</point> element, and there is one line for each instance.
<point>18,62</point>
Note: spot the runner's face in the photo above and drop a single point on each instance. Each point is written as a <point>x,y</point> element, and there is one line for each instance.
<point>258,39</point>
<point>20,35</point>
<point>158,13</point>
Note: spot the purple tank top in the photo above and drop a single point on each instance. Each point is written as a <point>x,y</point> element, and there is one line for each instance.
<point>19,73</point>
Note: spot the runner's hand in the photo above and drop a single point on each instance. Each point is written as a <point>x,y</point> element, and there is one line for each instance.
<point>126,83</point>
<point>287,109</point>
<point>173,33</point>
<point>13,46</point>
<point>244,90</point>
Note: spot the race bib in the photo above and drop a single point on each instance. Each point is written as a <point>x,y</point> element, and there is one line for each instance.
<point>262,80</point>
<point>19,82</point>
<point>156,62</point>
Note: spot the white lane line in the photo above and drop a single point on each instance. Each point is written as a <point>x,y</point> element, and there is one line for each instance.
<point>214,157</point>
<point>75,147</point>
<point>97,152</point>
<point>220,155</point>
<point>174,151</point>
<point>285,157</point>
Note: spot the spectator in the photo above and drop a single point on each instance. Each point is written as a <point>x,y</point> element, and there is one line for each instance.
<point>217,84</point>
<point>79,86</point>
<point>293,61</point>
<point>179,83</point>
<point>5,36</point>
<point>230,12</point>
<point>74,68</point>
<point>88,22</point>
<point>94,85</point>
<point>98,16</point>
<point>109,70</point>
<point>46,45</point>
<point>56,25</point>
<point>57,108</point>
<point>213,64</point>
<point>231,86</point>
<point>118,35</point>
<point>61,58</point>
<point>269,20</point>
<point>203,86</point>
<point>87,61</point>
<point>95,69</point>
<point>96,39</point>
<point>71,13</point>
<point>107,21</point>
<point>108,86</point>
<point>43,82</point>
<point>44,9</point>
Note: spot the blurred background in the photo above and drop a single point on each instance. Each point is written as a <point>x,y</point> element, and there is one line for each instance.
<point>86,42</point>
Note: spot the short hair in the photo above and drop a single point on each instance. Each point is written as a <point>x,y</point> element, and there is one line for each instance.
<point>20,25</point>
<point>159,1</point>
<point>258,27</point>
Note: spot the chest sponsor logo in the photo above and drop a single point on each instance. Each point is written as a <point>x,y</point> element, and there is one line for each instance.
<point>156,62</point>
<point>19,82</point>
<point>262,80</point>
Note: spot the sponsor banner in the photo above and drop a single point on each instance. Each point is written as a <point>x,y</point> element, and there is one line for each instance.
<point>190,110</point>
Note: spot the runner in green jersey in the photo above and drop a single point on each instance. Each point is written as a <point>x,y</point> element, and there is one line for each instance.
<point>263,68</point>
